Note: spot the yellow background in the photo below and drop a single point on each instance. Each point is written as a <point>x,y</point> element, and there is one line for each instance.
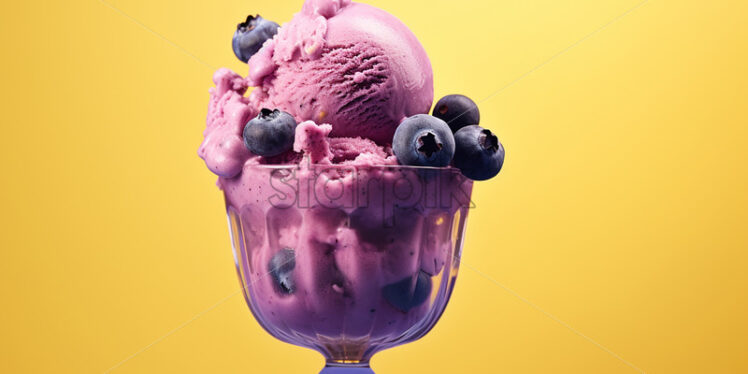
<point>617,230</point>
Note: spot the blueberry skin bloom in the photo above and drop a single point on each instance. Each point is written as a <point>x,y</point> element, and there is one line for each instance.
<point>270,133</point>
<point>423,140</point>
<point>457,111</point>
<point>250,35</point>
<point>479,154</point>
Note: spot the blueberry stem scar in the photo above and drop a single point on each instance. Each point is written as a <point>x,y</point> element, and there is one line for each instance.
<point>488,140</point>
<point>428,144</point>
<point>248,25</point>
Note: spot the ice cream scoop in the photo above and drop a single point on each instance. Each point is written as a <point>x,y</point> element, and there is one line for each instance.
<point>350,65</point>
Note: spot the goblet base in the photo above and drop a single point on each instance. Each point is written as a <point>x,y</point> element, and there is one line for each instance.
<point>346,370</point>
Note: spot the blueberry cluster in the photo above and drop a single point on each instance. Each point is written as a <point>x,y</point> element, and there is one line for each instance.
<point>450,135</point>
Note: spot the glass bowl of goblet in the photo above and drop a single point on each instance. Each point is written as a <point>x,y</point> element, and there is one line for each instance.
<point>347,260</point>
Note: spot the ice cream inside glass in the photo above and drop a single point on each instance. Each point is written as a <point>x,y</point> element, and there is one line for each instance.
<point>348,260</point>
<point>338,246</point>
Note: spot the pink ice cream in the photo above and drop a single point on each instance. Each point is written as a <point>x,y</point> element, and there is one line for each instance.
<point>348,73</point>
<point>228,112</point>
<point>351,65</point>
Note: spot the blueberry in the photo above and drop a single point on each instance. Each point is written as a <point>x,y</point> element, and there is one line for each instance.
<point>479,155</point>
<point>250,35</point>
<point>409,292</point>
<point>379,228</point>
<point>423,140</point>
<point>457,111</point>
<point>281,270</point>
<point>270,133</point>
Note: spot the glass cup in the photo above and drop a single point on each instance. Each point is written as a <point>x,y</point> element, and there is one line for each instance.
<point>347,260</point>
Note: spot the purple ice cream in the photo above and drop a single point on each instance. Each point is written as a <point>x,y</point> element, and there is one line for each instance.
<point>339,248</point>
